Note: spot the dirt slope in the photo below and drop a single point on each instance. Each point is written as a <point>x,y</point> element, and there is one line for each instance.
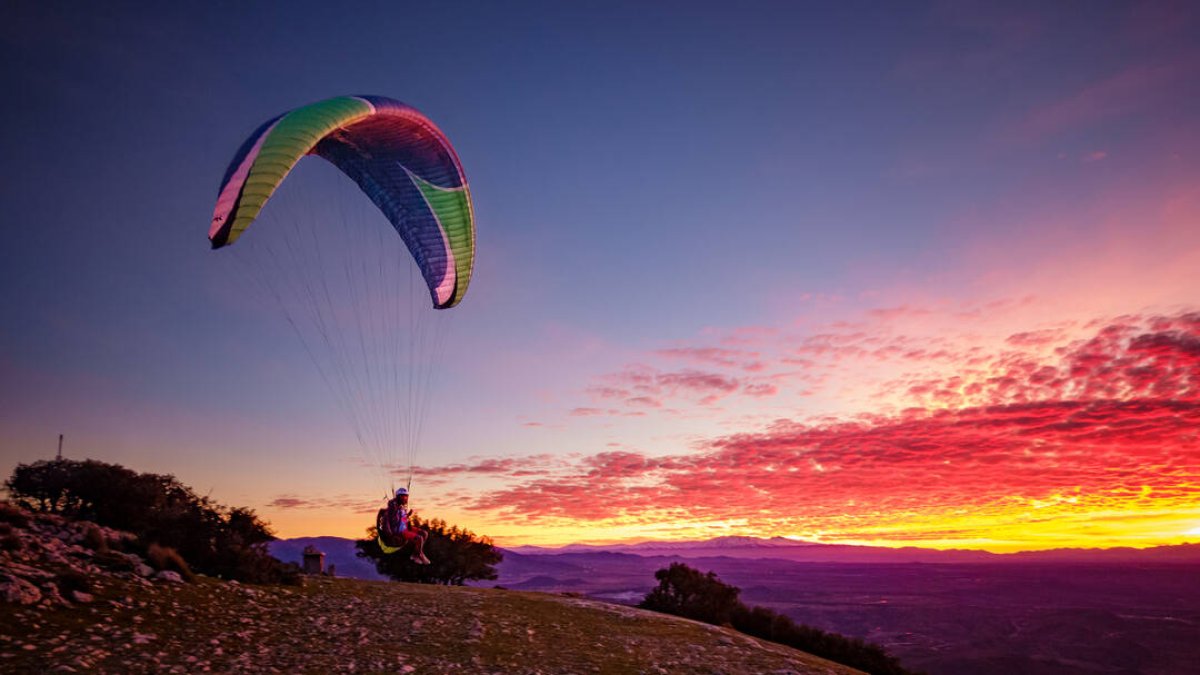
<point>342,625</point>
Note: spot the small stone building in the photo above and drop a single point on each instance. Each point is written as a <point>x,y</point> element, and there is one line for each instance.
<point>314,560</point>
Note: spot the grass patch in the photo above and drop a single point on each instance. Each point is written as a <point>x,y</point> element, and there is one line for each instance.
<point>167,558</point>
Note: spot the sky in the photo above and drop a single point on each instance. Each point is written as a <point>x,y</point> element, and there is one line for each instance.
<point>842,272</point>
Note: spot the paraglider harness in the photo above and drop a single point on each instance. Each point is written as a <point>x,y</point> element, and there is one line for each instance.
<point>388,536</point>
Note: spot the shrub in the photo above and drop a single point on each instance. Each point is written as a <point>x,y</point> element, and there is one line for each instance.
<point>291,574</point>
<point>167,558</point>
<point>94,539</point>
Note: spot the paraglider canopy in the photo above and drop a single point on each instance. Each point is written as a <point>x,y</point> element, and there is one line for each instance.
<point>395,154</point>
<point>351,288</point>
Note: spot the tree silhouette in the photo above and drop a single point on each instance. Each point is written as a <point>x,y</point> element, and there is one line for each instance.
<point>687,592</point>
<point>158,509</point>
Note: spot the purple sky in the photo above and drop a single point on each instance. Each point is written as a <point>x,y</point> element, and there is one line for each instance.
<point>688,215</point>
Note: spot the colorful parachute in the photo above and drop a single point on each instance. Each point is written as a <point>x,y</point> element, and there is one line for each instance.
<point>399,158</point>
<point>354,292</point>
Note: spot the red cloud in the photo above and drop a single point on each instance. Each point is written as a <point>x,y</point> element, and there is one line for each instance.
<point>705,383</point>
<point>1114,416</point>
<point>507,466</point>
<point>646,387</point>
<point>713,356</point>
<point>1035,338</point>
<point>289,502</point>
<point>339,502</point>
<point>964,459</point>
<point>1129,358</point>
<point>760,390</point>
<point>589,412</point>
<point>904,311</point>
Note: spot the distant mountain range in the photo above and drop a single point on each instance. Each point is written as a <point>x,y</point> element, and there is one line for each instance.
<point>723,543</point>
<point>341,553</point>
<point>801,551</point>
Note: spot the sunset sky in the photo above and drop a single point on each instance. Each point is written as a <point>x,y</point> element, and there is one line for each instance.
<point>919,275</point>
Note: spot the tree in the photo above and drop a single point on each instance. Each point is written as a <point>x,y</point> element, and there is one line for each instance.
<point>687,592</point>
<point>457,556</point>
<point>41,486</point>
<point>213,539</point>
<point>108,494</point>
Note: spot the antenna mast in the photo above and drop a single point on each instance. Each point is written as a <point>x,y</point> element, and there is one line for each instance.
<point>59,457</point>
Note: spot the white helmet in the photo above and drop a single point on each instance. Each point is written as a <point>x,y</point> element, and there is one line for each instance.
<point>401,491</point>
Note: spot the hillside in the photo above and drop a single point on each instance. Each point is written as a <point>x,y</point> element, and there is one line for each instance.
<point>64,612</point>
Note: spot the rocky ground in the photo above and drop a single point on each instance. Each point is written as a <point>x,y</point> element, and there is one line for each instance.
<point>67,605</point>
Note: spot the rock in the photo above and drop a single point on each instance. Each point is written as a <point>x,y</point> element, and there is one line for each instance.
<point>51,595</point>
<point>19,591</point>
<point>81,597</point>
<point>168,576</point>
<point>28,572</point>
